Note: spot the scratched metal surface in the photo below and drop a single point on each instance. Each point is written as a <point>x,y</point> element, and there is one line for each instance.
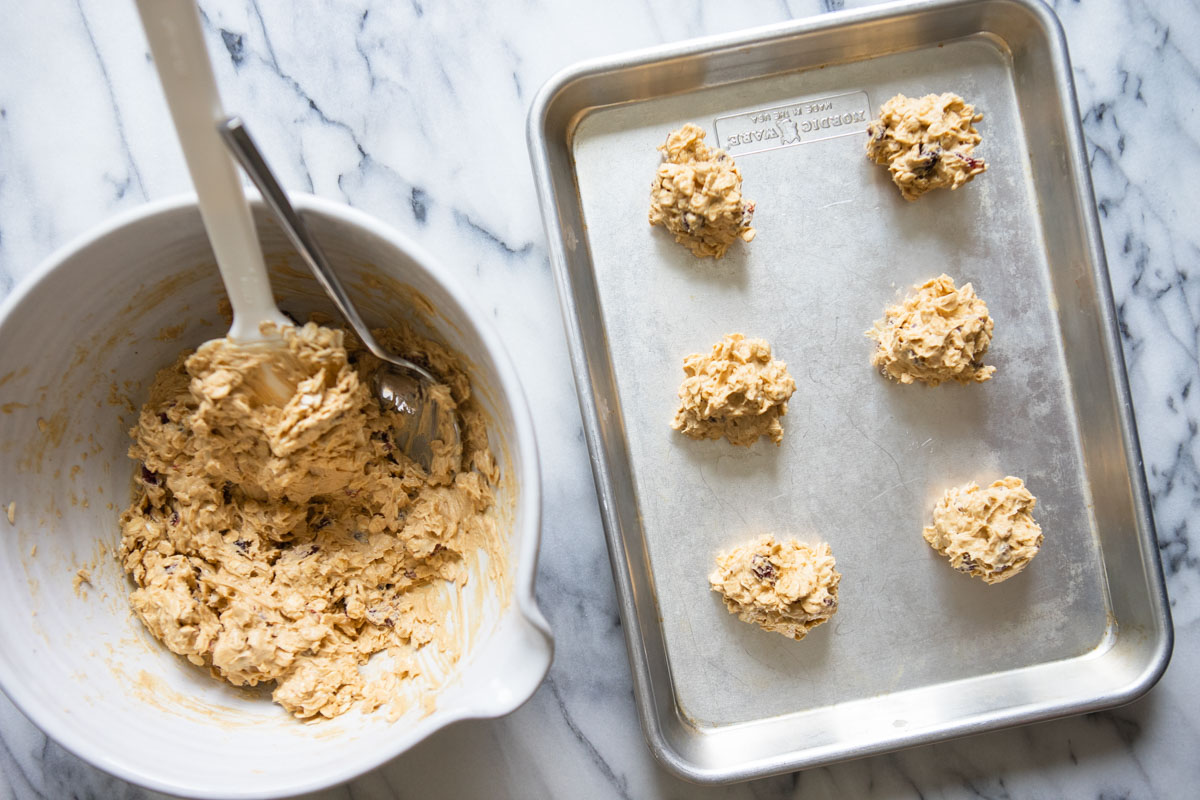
<point>862,461</point>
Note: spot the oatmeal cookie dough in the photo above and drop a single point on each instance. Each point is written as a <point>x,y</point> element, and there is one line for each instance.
<point>737,391</point>
<point>784,587</point>
<point>697,195</point>
<point>938,334</point>
<point>987,533</point>
<point>288,542</point>
<point>926,142</point>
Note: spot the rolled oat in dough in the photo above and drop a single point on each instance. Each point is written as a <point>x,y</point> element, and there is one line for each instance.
<point>290,542</point>
<point>737,391</point>
<point>697,195</point>
<point>926,142</point>
<point>938,334</point>
<point>784,587</point>
<point>988,533</point>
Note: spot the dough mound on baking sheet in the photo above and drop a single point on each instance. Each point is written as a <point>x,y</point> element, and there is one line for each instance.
<point>938,334</point>
<point>987,533</point>
<point>785,587</point>
<point>737,391</point>
<point>926,142</point>
<point>289,539</point>
<point>697,195</point>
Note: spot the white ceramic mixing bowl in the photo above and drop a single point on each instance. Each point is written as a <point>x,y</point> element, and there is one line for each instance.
<point>82,340</point>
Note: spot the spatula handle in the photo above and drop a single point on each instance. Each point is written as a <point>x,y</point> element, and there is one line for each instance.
<point>177,45</point>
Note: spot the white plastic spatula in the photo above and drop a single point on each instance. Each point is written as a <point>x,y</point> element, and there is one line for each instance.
<point>177,45</point>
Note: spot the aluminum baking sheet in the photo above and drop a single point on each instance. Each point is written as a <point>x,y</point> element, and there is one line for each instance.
<point>916,652</point>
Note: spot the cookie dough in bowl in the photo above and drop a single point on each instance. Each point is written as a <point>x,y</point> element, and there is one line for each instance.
<point>987,533</point>
<point>737,391</point>
<point>785,587</point>
<point>926,142</point>
<point>697,195</point>
<point>288,543</point>
<point>85,668</point>
<point>940,333</point>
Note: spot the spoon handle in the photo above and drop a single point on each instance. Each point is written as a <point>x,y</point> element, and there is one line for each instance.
<point>237,139</point>
<point>177,45</point>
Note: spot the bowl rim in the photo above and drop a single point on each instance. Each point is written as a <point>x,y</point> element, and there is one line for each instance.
<point>529,508</point>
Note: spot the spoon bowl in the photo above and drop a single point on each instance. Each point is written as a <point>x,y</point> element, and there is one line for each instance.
<point>414,396</point>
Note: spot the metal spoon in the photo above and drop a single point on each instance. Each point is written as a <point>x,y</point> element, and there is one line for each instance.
<point>400,385</point>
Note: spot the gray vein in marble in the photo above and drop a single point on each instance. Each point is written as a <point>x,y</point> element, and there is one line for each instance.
<point>358,45</point>
<point>135,176</point>
<point>262,28</point>
<point>491,237</point>
<point>308,181</point>
<point>419,201</point>
<point>235,45</point>
<point>601,764</point>
<point>14,772</point>
<point>515,57</point>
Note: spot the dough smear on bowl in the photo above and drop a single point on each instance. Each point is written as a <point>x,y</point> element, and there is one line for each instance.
<point>987,533</point>
<point>290,542</point>
<point>938,334</point>
<point>737,391</point>
<point>785,587</point>
<point>926,142</point>
<point>697,195</point>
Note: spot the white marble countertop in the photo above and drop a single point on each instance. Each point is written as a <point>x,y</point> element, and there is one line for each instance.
<point>414,112</point>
